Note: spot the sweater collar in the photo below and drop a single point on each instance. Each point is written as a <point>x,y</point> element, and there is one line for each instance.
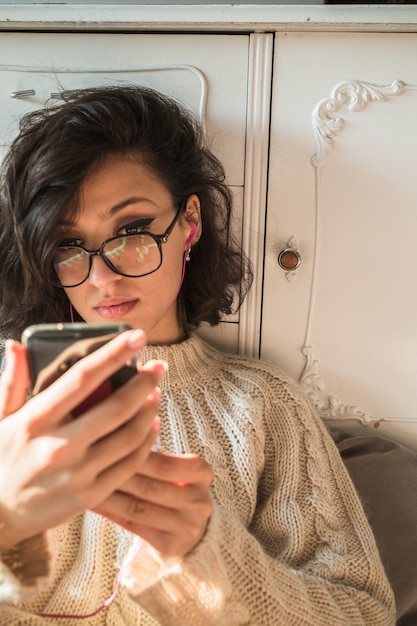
<point>189,361</point>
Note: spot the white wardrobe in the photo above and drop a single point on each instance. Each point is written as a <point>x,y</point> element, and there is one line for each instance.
<point>313,111</point>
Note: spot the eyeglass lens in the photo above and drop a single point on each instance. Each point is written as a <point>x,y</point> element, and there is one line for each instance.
<point>131,255</point>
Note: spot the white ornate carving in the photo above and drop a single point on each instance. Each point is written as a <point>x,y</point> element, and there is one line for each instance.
<point>354,94</point>
<point>328,407</point>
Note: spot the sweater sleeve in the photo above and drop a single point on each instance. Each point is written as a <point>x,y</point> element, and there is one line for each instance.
<point>308,557</point>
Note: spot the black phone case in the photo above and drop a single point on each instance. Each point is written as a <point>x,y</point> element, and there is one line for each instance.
<point>54,348</point>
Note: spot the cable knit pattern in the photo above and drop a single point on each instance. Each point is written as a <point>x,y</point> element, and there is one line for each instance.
<point>288,543</point>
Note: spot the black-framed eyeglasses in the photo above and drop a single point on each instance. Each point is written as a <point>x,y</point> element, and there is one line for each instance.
<point>132,255</point>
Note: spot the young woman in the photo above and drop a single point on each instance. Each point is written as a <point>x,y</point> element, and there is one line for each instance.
<point>204,491</point>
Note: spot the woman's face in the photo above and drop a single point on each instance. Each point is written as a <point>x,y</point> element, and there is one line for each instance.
<point>119,193</point>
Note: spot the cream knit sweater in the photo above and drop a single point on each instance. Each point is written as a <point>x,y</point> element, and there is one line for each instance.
<point>288,543</point>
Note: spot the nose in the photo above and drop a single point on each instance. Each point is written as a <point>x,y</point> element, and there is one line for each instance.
<point>100,274</point>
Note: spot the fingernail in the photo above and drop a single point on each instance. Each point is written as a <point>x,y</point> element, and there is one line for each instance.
<point>9,349</point>
<point>160,367</point>
<point>137,339</point>
<point>155,395</point>
<point>156,424</point>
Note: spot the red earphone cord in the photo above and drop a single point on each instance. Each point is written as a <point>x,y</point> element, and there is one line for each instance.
<point>109,601</point>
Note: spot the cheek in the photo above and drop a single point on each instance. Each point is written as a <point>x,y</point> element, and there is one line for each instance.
<point>160,290</point>
<point>77,297</point>
<point>166,281</point>
<point>172,259</point>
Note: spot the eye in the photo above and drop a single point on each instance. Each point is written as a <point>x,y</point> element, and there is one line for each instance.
<point>68,243</point>
<point>135,227</point>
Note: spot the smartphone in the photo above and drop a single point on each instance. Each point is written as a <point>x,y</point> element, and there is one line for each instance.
<point>54,348</point>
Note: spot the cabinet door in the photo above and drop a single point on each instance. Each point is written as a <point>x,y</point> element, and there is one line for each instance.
<point>207,73</point>
<point>342,196</point>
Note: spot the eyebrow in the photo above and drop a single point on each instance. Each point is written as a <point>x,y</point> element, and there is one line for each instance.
<point>121,205</point>
<point>116,208</point>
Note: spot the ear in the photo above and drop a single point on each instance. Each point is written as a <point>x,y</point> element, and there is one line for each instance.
<point>193,217</point>
<point>193,232</point>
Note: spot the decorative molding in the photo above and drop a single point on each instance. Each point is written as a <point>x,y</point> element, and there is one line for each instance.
<point>55,71</point>
<point>355,95</point>
<point>256,172</point>
<point>329,407</point>
<point>202,17</point>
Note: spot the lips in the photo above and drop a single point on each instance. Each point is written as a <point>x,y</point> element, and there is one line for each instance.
<point>114,307</point>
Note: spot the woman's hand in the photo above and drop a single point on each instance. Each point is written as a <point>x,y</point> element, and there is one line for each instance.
<point>53,467</point>
<point>167,503</point>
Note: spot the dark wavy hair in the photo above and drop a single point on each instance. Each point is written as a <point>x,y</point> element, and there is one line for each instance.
<point>45,167</point>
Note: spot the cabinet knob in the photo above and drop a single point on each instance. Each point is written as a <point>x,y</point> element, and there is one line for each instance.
<point>289,259</point>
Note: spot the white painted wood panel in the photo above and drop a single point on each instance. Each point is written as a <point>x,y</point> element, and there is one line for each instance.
<point>207,73</point>
<point>345,323</point>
